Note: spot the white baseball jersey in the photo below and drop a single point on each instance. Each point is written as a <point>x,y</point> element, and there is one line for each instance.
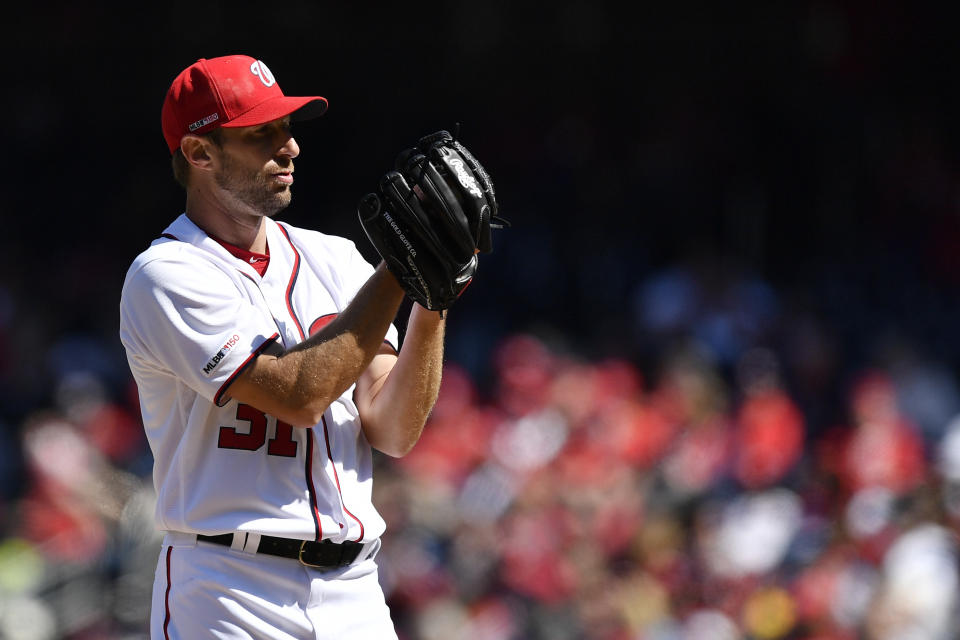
<point>192,316</point>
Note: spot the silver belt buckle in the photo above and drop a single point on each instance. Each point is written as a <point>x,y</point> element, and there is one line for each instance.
<point>304,562</point>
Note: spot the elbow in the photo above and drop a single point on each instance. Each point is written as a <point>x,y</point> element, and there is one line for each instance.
<point>304,416</point>
<point>395,444</point>
<point>396,450</point>
<point>305,404</point>
<point>303,421</point>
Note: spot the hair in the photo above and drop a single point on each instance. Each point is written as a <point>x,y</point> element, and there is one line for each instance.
<point>181,168</point>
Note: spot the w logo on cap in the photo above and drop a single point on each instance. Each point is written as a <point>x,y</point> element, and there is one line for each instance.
<point>261,71</point>
<point>218,92</point>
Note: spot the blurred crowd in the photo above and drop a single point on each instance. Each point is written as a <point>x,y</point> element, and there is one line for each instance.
<point>709,491</point>
<point>704,500</point>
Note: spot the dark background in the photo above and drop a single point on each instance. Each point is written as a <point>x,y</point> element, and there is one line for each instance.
<point>811,144</point>
<point>780,176</point>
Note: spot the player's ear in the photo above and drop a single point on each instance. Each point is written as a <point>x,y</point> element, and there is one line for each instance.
<point>196,150</point>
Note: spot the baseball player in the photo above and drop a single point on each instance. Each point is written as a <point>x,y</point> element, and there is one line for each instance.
<point>268,365</point>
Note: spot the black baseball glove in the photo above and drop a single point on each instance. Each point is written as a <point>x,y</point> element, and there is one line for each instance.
<point>430,217</point>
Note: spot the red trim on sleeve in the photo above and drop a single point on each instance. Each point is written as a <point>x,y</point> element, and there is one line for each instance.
<point>217,398</point>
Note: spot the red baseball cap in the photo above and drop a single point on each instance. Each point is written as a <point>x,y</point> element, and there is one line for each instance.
<point>230,91</point>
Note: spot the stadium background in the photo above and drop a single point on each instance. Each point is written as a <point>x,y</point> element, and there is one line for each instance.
<point>704,388</point>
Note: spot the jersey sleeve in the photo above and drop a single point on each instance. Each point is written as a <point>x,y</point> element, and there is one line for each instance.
<point>191,320</point>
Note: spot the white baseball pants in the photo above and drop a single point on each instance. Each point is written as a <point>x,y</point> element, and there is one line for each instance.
<point>204,590</point>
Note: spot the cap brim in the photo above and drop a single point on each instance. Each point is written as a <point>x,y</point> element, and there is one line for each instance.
<point>300,108</point>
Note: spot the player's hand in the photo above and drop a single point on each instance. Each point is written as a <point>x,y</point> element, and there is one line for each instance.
<point>430,217</point>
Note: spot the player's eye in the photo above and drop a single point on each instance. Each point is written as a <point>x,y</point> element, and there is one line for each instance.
<point>271,128</point>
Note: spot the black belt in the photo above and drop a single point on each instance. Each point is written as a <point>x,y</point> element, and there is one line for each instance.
<point>319,555</point>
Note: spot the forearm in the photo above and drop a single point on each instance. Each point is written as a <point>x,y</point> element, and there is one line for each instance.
<point>298,385</point>
<point>396,403</point>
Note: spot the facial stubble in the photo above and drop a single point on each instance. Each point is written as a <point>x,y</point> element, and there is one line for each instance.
<point>251,188</point>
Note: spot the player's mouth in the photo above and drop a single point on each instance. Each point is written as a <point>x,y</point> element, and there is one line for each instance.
<point>284,177</point>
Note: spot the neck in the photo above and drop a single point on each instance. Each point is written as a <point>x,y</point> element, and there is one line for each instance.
<point>240,228</point>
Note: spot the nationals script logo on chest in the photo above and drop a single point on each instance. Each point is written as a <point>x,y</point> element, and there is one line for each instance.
<point>261,71</point>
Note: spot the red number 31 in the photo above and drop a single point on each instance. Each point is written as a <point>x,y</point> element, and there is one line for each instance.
<point>282,443</point>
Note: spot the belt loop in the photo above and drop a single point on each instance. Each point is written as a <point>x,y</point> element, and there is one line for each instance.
<point>239,538</point>
<point>252,543</point>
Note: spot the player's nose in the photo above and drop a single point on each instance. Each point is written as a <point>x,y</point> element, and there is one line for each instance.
<point>290,148</point>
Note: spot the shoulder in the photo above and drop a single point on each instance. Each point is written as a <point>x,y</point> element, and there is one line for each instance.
<point>169,263</point>
<point>164,253</point>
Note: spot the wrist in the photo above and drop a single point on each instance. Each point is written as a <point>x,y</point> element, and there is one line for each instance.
<point>421,315</point>
<point>388,279</point>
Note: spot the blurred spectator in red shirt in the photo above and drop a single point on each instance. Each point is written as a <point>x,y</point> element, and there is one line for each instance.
<point>884,448</point>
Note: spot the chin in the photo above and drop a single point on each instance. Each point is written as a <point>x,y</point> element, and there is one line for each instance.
<point>277,206</point>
